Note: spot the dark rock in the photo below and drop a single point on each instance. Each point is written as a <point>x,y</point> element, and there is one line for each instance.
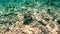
<point>42,23</point>
<point>48,9</point>
<point>58,21</point>
<point>47,19</point>
<point>53,19</point>
<point>27,19</point>
<point>27,16</point>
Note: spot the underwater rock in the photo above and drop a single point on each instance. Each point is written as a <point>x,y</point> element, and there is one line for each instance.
<point>58,21</point>
<point>27,19</point>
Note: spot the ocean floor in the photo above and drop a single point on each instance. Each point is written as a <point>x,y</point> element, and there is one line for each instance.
<point>29,16</point>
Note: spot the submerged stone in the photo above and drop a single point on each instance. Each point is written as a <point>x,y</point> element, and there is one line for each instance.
<point>41,23</point>
<point>58,21</point>
<point>27,19</point>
